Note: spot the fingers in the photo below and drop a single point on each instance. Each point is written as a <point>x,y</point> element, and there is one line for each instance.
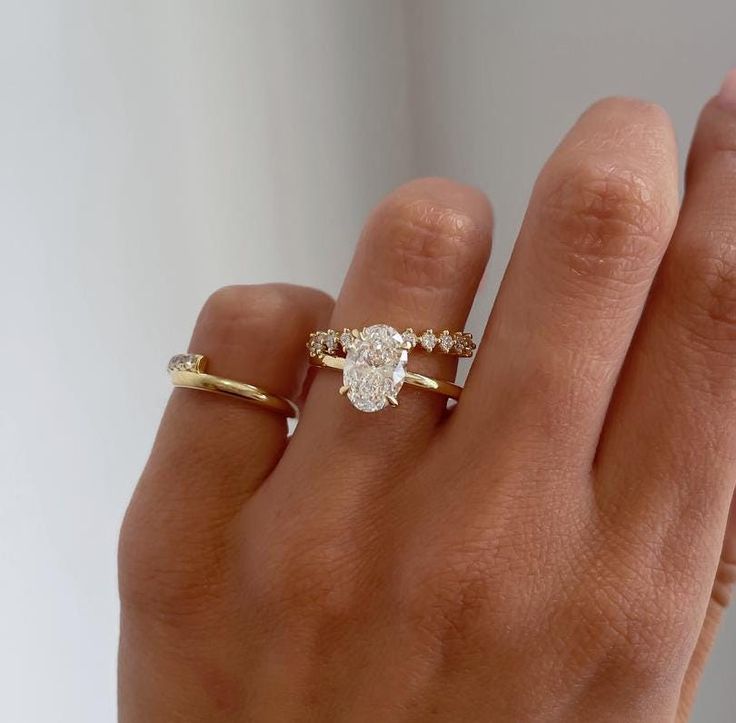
<point>418,265</point>
<point>599,220</point>
<point>667,458</point>
<point>211,451</point>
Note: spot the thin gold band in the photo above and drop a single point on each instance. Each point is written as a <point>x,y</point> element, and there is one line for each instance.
<point>438,386</point>
<point>187,370</point>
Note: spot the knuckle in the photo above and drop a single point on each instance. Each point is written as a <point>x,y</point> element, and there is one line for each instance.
<point>713,152</point>
<point>704,317</point>
<point>609,222</point>
<point>712,288</point>
<point>234,311</point>
<point>425,244</point>
<point>719,275</point>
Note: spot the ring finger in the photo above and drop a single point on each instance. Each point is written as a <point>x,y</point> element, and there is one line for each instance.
<point>418,265</point>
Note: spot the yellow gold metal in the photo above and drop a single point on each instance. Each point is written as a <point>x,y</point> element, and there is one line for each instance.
<point>438,386</point>
<point>190,374</point>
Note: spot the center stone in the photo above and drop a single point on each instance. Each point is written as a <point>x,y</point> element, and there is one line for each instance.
<point>375,367</point>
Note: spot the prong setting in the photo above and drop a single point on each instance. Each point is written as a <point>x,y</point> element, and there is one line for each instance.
<point>428,340</point>
<point>410,338</point>
<point>346,339</point>
<point>445,341</point>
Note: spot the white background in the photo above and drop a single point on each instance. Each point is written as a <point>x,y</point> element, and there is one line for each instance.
<point>152,151</point>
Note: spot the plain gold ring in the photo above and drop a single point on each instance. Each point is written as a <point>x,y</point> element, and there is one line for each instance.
<point>188,371</point>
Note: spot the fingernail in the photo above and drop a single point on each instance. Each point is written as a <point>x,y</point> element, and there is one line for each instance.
<point>727,94</point>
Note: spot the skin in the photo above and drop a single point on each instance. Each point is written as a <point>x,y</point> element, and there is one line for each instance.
<point>556,548</point>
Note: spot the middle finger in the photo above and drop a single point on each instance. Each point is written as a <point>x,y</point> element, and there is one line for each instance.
<point>600,218</point>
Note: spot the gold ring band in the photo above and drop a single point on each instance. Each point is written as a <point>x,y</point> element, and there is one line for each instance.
<point>448,389</point>
<point>187,370</point>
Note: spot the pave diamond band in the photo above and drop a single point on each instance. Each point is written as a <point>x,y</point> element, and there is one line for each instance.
<point>374,362</point>
<point>188,370</point>
<point>337,343</point>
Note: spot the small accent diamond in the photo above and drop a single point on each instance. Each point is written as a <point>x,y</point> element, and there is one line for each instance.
<point>316,343</point>
<point>428,340</point>
<point>410,337</point>
<point>464,343</point>
<point>331,341</point>
<point>346,339</point>
<point>446,341</point>
<point>184,363</point>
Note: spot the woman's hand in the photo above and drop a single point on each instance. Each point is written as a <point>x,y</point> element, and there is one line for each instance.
<point>548,551</point>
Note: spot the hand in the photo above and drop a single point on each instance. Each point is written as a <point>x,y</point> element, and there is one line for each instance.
<point>548,550</point>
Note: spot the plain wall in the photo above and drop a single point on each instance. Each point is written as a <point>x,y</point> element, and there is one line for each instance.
<point>153,151</point>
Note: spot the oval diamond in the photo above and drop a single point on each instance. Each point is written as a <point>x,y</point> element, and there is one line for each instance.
<point>375,367</point>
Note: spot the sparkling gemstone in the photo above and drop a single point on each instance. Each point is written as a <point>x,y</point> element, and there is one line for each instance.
<point>410,337</point>
<point>316,344</point>
<point>464,343</point>
<point>446,341</point>
<point>331,341</point>
<point>346,339</point>
<point>183,363</point>
<point>375,367</point>
<point>428,340</point>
